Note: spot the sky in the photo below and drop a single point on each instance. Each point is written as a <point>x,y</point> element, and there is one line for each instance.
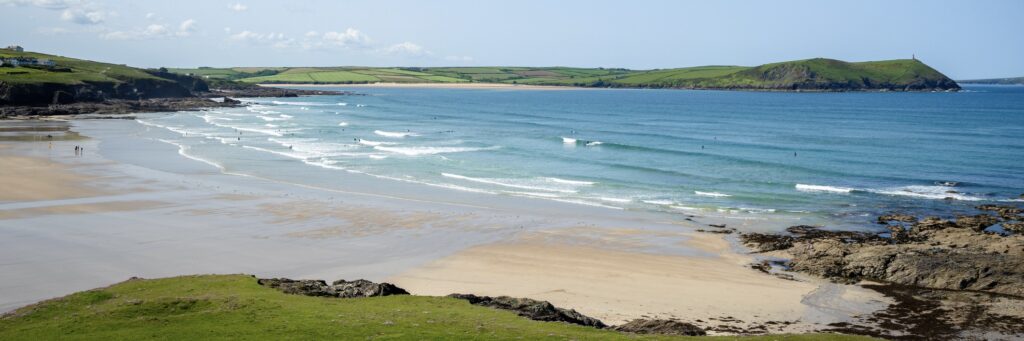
<point>963,39</point>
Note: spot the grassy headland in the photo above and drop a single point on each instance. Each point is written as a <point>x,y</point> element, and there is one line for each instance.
<point>812,74</point>
<point>73,80</point>
<point>236,307</point>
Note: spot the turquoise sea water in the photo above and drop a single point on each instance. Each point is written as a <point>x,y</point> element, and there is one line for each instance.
<point>844,156</point>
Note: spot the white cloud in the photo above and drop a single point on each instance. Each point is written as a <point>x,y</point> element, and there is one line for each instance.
<point>276,40</point>
<point>83,16</point>
<point>150,15</point>
<point>153,31</point>
<point>186,28</point>
<point>238,7</point>
<point>349,38</point>
<point>312,34</point>
<point>407,48</point>
<point>50,4</point>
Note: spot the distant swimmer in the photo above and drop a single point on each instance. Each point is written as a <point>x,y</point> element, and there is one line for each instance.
<point>794,154</point>
<point>289,147</point>
<point>702,147</point>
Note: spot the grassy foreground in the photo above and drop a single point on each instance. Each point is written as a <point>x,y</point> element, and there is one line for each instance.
<point>235,307</point>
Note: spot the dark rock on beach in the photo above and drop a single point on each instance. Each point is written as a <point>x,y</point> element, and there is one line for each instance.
<point>977,222</point>
<point>663,327</point>
<point>934,253</point>
<point>532,309</point>
<point>1013,226</point>
<point>1005,212</point>
<point>339,289</point>
<point>898,217</point>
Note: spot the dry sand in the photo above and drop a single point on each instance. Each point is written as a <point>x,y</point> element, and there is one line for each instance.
<point>31,179</point>
<point>616,286</point>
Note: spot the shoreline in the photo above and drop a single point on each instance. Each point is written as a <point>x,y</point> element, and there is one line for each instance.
<point>194,219</point>
<point>460,85</point>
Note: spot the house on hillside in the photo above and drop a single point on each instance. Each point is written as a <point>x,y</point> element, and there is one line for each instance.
<point>15,48</point>
<point>23,61</point>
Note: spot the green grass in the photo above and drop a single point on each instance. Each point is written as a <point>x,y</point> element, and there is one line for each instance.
<point>81,71</point>
<point>235,307</point>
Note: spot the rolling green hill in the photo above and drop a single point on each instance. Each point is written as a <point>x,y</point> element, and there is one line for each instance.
<point>236,307</point>
<point>812,75</point>
<point>71,80</point>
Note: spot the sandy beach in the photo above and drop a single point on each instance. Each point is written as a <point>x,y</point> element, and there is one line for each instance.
<point>133,206</point>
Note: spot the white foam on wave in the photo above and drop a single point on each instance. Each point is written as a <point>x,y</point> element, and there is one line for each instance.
<point>568,140</point>
<point>297,103</point>
<point>618,200</point>
<point>418,151</point>
<point>268,125</point>
<point>820,188</point>
<point>510,183</point>
<point>360,105</point>
<point>393,134</point>
<point>183,151</point>
<point>660,202</point>
<point>272,118</point>
<point>925,192</point>
<point>343,124</point>
<point>375,143</point>
<point>292,155</point>
<point>570,182</point>
<point>312,147</point>
<point>343,104</point>
<point>684,208</point>
<point>711,194</point>
<point>594,143</point>
<point>534,194</point>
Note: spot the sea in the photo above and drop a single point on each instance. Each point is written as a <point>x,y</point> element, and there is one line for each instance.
<point>841,157</point>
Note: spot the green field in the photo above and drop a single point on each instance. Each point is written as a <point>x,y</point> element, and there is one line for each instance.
<point>235,307</point>
<point>68,71</point>
<point>810,74</point>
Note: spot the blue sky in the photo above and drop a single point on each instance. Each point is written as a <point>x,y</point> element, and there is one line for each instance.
<point>964,39</point>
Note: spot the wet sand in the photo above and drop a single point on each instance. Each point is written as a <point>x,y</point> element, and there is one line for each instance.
<point>132,206</point>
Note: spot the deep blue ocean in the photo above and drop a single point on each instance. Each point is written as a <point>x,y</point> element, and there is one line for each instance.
<point>845,156</point>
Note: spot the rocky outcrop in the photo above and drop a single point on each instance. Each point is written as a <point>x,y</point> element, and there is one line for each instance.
<point>976,222</point>
<point>933,253</point>
<point>339,289</point>
<point>1005,212</point>
<point>1013,226</point>
<point>531,309</point>
<point>663,327</point>
<point>897,217</point>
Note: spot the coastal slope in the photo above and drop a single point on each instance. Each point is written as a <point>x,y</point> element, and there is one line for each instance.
<point>819,74</point>
<point>69,80</point>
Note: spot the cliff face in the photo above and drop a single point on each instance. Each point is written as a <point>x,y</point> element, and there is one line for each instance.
<point>57,93</point>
